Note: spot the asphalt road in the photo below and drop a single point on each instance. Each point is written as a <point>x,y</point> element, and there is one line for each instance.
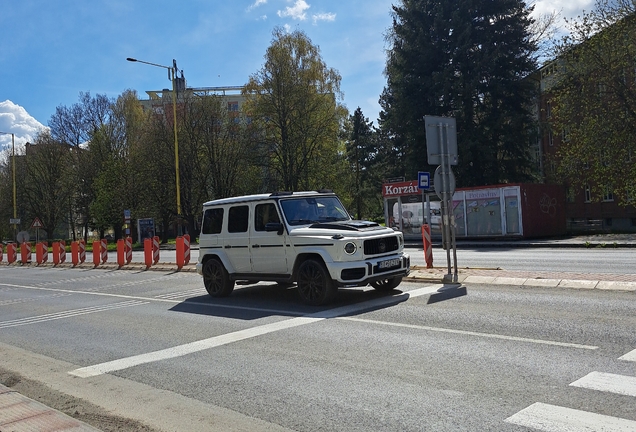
<point>153,347</point>
<point>593,260</point>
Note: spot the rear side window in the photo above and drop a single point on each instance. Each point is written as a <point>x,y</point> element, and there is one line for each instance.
<point>237,219</point>
<point>264,214</point>
<point>212,221</point>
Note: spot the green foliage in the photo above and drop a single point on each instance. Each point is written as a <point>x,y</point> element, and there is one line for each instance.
<point>594,103</point>
<point>465,59</point>
<point>293,101</point>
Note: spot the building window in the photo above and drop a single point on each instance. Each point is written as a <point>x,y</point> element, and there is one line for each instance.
<point>608,194</point>
<point>565,134</point>
<point>588,194</point>
<point>550,139</point>
<point>548,110</point>
<point>232,106</point>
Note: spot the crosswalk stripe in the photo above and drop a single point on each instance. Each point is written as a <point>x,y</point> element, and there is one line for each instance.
<point>607,382</point>
<point>554,418</point>
<point>630,356</point>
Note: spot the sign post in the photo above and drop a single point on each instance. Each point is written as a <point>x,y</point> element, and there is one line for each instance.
<point>37,224</point>
<point>441,146</point>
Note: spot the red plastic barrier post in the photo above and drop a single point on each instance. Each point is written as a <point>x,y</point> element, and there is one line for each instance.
<point>155,249</point>
<point>82,251</point>
<point>61,251</point>
<point>25,251</point>
<point>128,249</point>
<point>428,247</point>
<point>97,252</point>
<point>186,248</point>
<point>75,253</point>
<point>11,253</point>
<point>41,252</point>
<point>121,253</point>
<point>56,254</point>
<point>103,248</point>
<point>180,252</point>
<point>148,252</point>
<point>1,252</point>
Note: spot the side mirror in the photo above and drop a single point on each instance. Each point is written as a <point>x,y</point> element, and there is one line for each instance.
<point>274,226</point>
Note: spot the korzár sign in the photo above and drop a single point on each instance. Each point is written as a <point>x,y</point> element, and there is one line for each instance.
<point>400,189</point>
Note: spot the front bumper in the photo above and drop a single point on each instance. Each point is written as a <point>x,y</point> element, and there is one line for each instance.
<point>360,273</point>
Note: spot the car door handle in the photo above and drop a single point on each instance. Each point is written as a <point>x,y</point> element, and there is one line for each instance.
<point>256,246</point>
<point>228,246</point>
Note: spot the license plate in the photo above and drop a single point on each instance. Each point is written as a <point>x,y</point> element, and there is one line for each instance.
<point>383,265</point>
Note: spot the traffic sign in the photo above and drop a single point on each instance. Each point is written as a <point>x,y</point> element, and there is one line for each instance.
<point>424,180</point>
<point>441,133</point>
<point>14,221</point>
<point>37,223</point>
<point>440,187</point>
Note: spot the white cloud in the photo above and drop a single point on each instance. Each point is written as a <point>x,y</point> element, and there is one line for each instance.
<point>256,4</point>
<point>297,11</point>
<point>16,120</point>
<point>323,17</point>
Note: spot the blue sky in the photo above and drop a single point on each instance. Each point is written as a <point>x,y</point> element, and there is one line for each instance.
<point>53,50</point>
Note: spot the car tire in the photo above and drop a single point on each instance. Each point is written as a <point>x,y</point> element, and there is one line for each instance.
<point>387,284</point>
<point>216,279</point>
<point>315,286</point>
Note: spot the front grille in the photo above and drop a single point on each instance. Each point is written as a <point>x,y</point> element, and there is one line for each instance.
<point>381,246</point>
<point>353,274</point>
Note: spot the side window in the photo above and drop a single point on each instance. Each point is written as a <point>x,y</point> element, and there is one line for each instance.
<point>237,219</point>
<point>265,213</point>
<point>212,221</point>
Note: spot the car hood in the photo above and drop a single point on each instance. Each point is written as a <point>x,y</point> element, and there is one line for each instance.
<point>351,228</point>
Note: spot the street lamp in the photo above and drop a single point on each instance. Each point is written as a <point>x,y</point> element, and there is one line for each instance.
<point>15,209</point>
<point>172,76</point>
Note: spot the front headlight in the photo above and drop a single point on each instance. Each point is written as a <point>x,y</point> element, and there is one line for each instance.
<point>350,248</point>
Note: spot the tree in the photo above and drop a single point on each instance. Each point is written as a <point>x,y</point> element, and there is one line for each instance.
<point>47,192</point>
<point>75,126</point>
<point>293,100</point>
<point>594,102</point>
<point>466,59</point>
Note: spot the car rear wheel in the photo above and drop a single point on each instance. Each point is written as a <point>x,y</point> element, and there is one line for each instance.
<point>387,284</point>
<point>315,286</point>
<point>216,279</point>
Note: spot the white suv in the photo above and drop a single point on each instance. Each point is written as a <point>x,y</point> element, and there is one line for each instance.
<point>307,238</point>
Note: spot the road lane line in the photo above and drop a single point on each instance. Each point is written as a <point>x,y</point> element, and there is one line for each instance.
<point>554,418</point>
<point>471,333</point>
<point>607,382</point>
<point>204,344</point>
<point>630,356</point>
<point>67,314</point>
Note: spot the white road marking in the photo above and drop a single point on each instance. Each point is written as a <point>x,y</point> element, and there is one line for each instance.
<point>607,382</point>
<point>554,418</point>
<point>240,335</point>
<point>630,356</point>
<point>67,314</point>
<point>471,333</point>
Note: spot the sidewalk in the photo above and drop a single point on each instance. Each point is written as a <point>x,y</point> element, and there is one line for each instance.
<point>18,413</point>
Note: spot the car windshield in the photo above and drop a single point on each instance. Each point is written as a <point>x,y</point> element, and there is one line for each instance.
<point>307,210</point>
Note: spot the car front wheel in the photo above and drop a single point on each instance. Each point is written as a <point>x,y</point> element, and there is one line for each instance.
<point>216,279</point>
<point>315,286</point>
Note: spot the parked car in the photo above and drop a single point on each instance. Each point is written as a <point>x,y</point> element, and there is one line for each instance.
<point>303,238</point>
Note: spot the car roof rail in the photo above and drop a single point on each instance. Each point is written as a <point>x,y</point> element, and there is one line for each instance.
<point>281,193</point>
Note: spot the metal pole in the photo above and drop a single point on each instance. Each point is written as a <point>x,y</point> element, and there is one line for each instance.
<point>176,146</point>
<point>445,186</point>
